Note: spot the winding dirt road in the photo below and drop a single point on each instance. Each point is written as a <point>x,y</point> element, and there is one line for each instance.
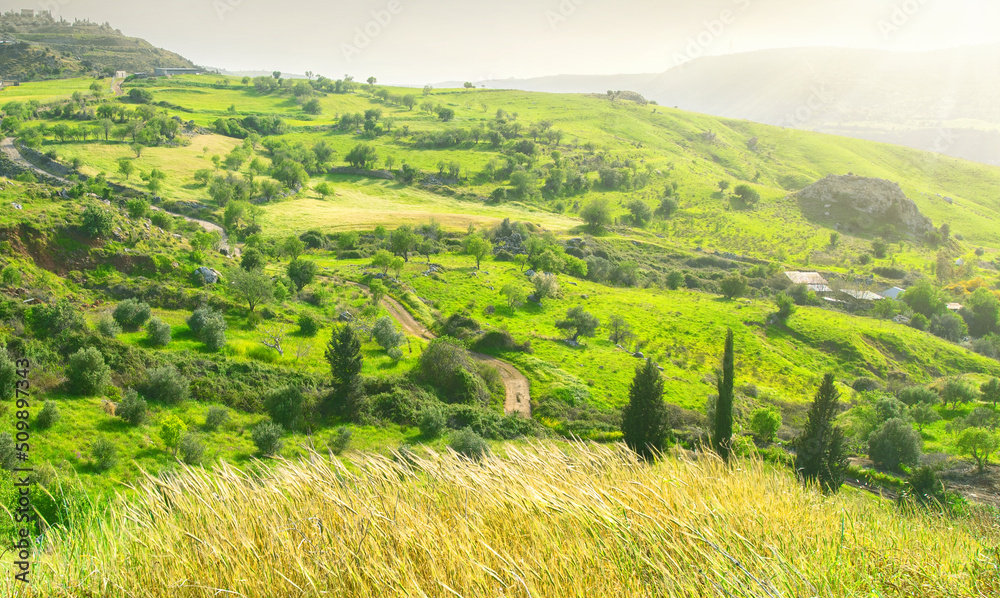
<point>516,385</point>
<point>10,149</point>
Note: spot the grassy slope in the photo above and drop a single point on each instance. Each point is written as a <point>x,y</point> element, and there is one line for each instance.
<point>547,520</point>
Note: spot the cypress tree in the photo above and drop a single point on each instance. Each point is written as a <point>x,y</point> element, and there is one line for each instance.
<point>644,418</point>
<point>821,454</point>
<point>724,407</point>
<point>345,358</point>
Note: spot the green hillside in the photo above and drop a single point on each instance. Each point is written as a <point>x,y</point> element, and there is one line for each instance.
<point>44,48</point>
<point>359,207</point>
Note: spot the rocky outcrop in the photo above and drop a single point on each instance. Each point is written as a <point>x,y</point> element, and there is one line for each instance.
<point>860,201</point>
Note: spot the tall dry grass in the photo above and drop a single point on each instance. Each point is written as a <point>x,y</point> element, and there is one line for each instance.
<point>547,520</point>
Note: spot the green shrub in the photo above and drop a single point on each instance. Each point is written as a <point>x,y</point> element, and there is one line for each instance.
<point>765,423</point>
<point>87,372</point>
<point>8,377</point>
<point>264,354</point>
<point>895,443</point>
<point>786,305</point>
<point>104,453</point>
<point>97,221</point>
<point>913,395</point>
<point>51,320</point>
<point>447,366</point>
<point>48,416</point>
<point>340,440</point>
<point>432,421</point>
<point>285,406</point>
<point>162,220</point>
<point>301,272</point>
<point>158,332</point>
<point>733,286</point>
<point>216,416</point>
<point>131,314</point>
<point>8,454</point>
<point>107,326</point>
<point>920,322</point>
<point>132,408</point>
<point>209,327</point>
<point>467,443</point>
<point>165,384</point>
<point>10,276</point>
<point>191,449</point>
<point>308,325</point>
<point>866,384</point>
<point>267,437</point>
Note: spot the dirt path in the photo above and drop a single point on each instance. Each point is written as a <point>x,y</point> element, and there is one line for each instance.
<point>116,87</point>
<point>8,147</point>
<point>516,385</point>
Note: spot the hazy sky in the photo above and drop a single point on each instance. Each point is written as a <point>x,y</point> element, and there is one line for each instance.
<point>421,41</point>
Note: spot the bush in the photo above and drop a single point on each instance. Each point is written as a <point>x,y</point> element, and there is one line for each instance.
<point>10,276</point>
<point>447,366</point>
<point>209,327</point>
<point>87,372</point>
<point>131,314</point>
<point>107,326</point>
<point>949,326</point>
<point>920,322</point>
<point>340,440</point>
<point>162,220</point>
<point>158,333</point>
<point>216,416</point>
<point>866,384</point>
<point>54,319</point>
<point>132,408</point>
<point>191,449</point>
<point>105,454</point>
<point>765,423</point>
<point>165,385</point>
<point>895,443</point>
<point>97,221</point>
<point>467,443</point>
<point>786,305</point>
<point>308,325</point>
<point>913,395</point>
<point>733,286</point>
<point>8,455</point>
<point>48,416</point>
<point>499,340</point>
<point>432,421</point>
<point>386,335</point>
<point>267,437</point>
<point>285,406</point>
<point>301,272</point>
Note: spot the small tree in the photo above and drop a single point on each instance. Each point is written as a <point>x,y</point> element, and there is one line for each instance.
<point>723,428</point>
<point>478,247</point>
<point>467,443</point>
<point>895,443</point>
<point>733,286</point>
<point>597,214</point>
<point>765,423</point>
<point>619,331</point>
<point>382,260</point>
<point>252,259</point>
<point>108,327</point>
<point>216,417</point>
<point>48,416</point>
<point>378,290</point>
<point>821,454</point>
<point>171,430</point>
<point>302,272</point>
<point>251,287</point>
<point>286,406</point>
<point>433,421</point>
<point>515,295</point>
<point>308,325</point>
<point>924,414</point>
<point>578,322</point>
<point>165,384</point>
<point>344,355</point>
<point>293,247</point>
<point>645,421</point>
<point>747,194</point>
<point>957,391</point>
<point>786,305</point>
<point>546,285</point>
<point>97,221</point>
<point>978,444</point>
<point>641,212</point>
<point>385,334</point>
<point>87,372</point>
<point>991,391</point>
<point>191,448</point>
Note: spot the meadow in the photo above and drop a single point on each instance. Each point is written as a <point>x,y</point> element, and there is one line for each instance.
<point>536,520</point>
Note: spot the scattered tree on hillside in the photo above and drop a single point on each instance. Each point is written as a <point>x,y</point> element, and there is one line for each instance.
<point>252,287</point>
<point>578,322</point>
<point>645,421</point>
<point>991,391</point>
<point>362,156</point>
<point>302,272</point>
<point>546,285</point>
<point>957,391</point>
<point>378,291</point>
<point>733,286</point>
<point>641,212</point>
<point>515,295</point>
<point>748,194</point>
<point>382,260</point>
<point>597,214</point>
<point>978,444</point>
<point>619,331</point>
<point>478,247</point>
<point>723,428</point>
<point>821,451</point>
<point>402,241</point>
<point>343,353</point>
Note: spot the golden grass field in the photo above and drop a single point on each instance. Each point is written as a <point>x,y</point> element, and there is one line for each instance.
<point>540,520</point>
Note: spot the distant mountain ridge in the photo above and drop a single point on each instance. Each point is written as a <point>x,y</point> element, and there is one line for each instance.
<point>39,47</point>
<point>942,100</point>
